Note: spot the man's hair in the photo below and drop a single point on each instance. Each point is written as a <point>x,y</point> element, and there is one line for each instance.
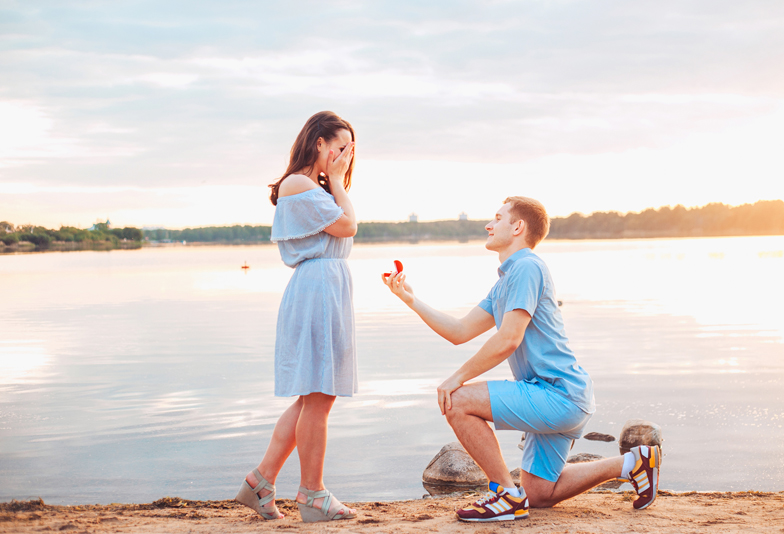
<point>532,212</point>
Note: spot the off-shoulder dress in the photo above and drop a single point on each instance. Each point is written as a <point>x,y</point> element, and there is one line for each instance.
<point>315,349</point>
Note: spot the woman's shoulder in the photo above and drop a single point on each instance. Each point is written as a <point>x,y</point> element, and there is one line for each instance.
<point>294,184</point>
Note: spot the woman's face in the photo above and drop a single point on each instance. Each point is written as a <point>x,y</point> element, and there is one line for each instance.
<point>336,145</point>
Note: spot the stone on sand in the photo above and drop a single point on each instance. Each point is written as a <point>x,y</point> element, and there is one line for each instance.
<point>639,432</point>
<point>452,467</point>
<point>598,436</point>
<point>581,457</point>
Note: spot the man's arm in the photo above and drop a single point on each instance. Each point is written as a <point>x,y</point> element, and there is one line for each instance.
<point>456,331</point>
<point>497,349</point>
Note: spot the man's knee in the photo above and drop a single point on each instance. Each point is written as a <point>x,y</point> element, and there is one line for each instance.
<point>470,400</point>
<point>538,490</point>
<point>538,500</point>
<point>459,407</point>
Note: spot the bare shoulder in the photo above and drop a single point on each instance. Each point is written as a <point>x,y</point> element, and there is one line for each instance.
<point>295,184</point>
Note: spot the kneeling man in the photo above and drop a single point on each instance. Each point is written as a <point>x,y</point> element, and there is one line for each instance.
<point>551,396</point>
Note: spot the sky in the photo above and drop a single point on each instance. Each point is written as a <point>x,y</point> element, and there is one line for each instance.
<point>180,113</point>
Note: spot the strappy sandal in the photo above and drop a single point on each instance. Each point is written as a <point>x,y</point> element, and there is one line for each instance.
<point>311,514</point>
<point>264,506</point>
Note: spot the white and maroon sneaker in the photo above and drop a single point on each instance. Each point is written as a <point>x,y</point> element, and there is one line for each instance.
<point>498,505</point>
<point>644,476</point>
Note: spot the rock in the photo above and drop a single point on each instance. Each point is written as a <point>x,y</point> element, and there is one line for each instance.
<point>598,436</point>
<point>581,457</point>
<point>453,470</point>
<point>454,467</point>
<point>639,432</point>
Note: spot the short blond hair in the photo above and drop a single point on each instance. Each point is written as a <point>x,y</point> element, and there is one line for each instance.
<point>532,212</point>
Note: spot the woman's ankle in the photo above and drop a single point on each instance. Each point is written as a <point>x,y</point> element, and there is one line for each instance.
<point>254,481</point>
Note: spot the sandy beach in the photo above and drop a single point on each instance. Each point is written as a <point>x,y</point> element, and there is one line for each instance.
<point>600,512</point>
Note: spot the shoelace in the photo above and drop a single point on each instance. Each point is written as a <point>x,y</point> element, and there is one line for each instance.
<point>487,498</point>
<point>633,480</point>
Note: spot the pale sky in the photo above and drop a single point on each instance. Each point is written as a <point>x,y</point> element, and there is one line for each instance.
<point>180,113</point>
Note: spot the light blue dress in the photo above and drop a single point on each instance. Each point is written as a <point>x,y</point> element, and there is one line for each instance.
<point>314,346</point>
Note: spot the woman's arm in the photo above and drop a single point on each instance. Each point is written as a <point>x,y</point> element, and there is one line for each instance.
<point>346,226</point>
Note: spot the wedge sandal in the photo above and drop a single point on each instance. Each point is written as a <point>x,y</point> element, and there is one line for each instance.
<point>264,506</point>
<point>312,514</point>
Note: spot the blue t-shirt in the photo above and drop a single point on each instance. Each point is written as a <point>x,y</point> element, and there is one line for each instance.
<point>525,284</point>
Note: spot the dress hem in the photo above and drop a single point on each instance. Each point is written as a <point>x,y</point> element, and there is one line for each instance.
<point>308,393</point>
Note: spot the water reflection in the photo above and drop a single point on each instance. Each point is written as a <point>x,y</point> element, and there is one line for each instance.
<point>21,361</point>
<point>154,366</point>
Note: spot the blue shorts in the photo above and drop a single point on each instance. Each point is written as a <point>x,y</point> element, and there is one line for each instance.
<point>550,422</point>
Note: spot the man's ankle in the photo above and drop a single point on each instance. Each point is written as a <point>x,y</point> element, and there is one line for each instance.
<point>512,490</point>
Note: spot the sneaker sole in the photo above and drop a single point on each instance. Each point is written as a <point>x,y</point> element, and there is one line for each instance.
<point>506,517</point>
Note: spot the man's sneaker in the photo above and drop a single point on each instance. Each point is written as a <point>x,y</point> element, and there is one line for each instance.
<point>498,505</point>
<point>644,476</point>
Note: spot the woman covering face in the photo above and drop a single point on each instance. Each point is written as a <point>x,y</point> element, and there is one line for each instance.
<point>315,355</point>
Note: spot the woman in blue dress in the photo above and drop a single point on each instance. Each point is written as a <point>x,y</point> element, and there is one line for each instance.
<point>315,356</point>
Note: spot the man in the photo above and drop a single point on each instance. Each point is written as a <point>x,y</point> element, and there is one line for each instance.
<point>551,398</point>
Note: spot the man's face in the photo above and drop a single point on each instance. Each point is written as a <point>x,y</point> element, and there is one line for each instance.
<point>501,229</point>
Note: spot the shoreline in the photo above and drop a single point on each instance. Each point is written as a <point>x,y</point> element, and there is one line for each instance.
<point>32,249</point>
<point>598,511</point>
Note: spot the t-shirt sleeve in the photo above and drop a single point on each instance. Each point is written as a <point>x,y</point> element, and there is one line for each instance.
<point>487,303</point>
<point>304,215</point>
<point>525,285</point>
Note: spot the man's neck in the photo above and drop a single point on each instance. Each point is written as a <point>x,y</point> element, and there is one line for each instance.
<point>505,254</point>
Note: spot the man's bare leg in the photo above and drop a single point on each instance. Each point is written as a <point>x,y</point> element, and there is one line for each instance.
<point>469,418</point>
<point>574,480</point>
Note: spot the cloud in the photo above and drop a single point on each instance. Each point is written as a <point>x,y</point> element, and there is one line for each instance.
<point>186,95</point>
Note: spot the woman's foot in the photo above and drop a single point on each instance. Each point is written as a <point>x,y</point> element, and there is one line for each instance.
<point>334,506</point>
<point>270,508</point>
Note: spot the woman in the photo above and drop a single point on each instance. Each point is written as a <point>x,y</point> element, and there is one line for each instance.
<point>314,348</point>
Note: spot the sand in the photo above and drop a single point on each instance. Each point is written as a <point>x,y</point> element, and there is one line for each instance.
<point>600,512</point>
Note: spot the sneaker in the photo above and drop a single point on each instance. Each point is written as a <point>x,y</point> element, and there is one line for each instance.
<point>498,505</point>
<point>644,476</point>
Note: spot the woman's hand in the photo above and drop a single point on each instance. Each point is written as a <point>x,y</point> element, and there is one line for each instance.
<point>338,166</point>
<point>445,391</point>
<point>398,286</point>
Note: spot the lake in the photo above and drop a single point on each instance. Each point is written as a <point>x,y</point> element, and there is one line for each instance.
<point>126,376</point>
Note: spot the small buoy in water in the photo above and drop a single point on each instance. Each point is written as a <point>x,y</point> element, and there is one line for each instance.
<point>245,267</point>
<point>560,303</point>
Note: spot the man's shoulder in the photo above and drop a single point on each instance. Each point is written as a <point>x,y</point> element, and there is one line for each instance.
<point>527,265</point>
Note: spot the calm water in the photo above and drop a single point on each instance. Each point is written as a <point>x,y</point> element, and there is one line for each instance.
<point>126,376</point>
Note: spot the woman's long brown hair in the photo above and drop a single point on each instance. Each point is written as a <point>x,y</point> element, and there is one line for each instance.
<point>304,153</point>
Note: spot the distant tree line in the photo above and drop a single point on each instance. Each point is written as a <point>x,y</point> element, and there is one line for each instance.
<point>765,217</point>
<point>100,234</point>
<point>415,231</point>
<point>212,234</point>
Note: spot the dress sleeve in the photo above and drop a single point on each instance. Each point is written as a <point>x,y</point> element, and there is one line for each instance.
<point>304,215</point>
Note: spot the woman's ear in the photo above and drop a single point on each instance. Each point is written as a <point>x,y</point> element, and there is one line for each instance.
<point>320,144</point>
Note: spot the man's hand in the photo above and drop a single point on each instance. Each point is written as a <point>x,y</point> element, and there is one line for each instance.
<point>445,391</point>
<point>398,286</point>
<point>495,350</point>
